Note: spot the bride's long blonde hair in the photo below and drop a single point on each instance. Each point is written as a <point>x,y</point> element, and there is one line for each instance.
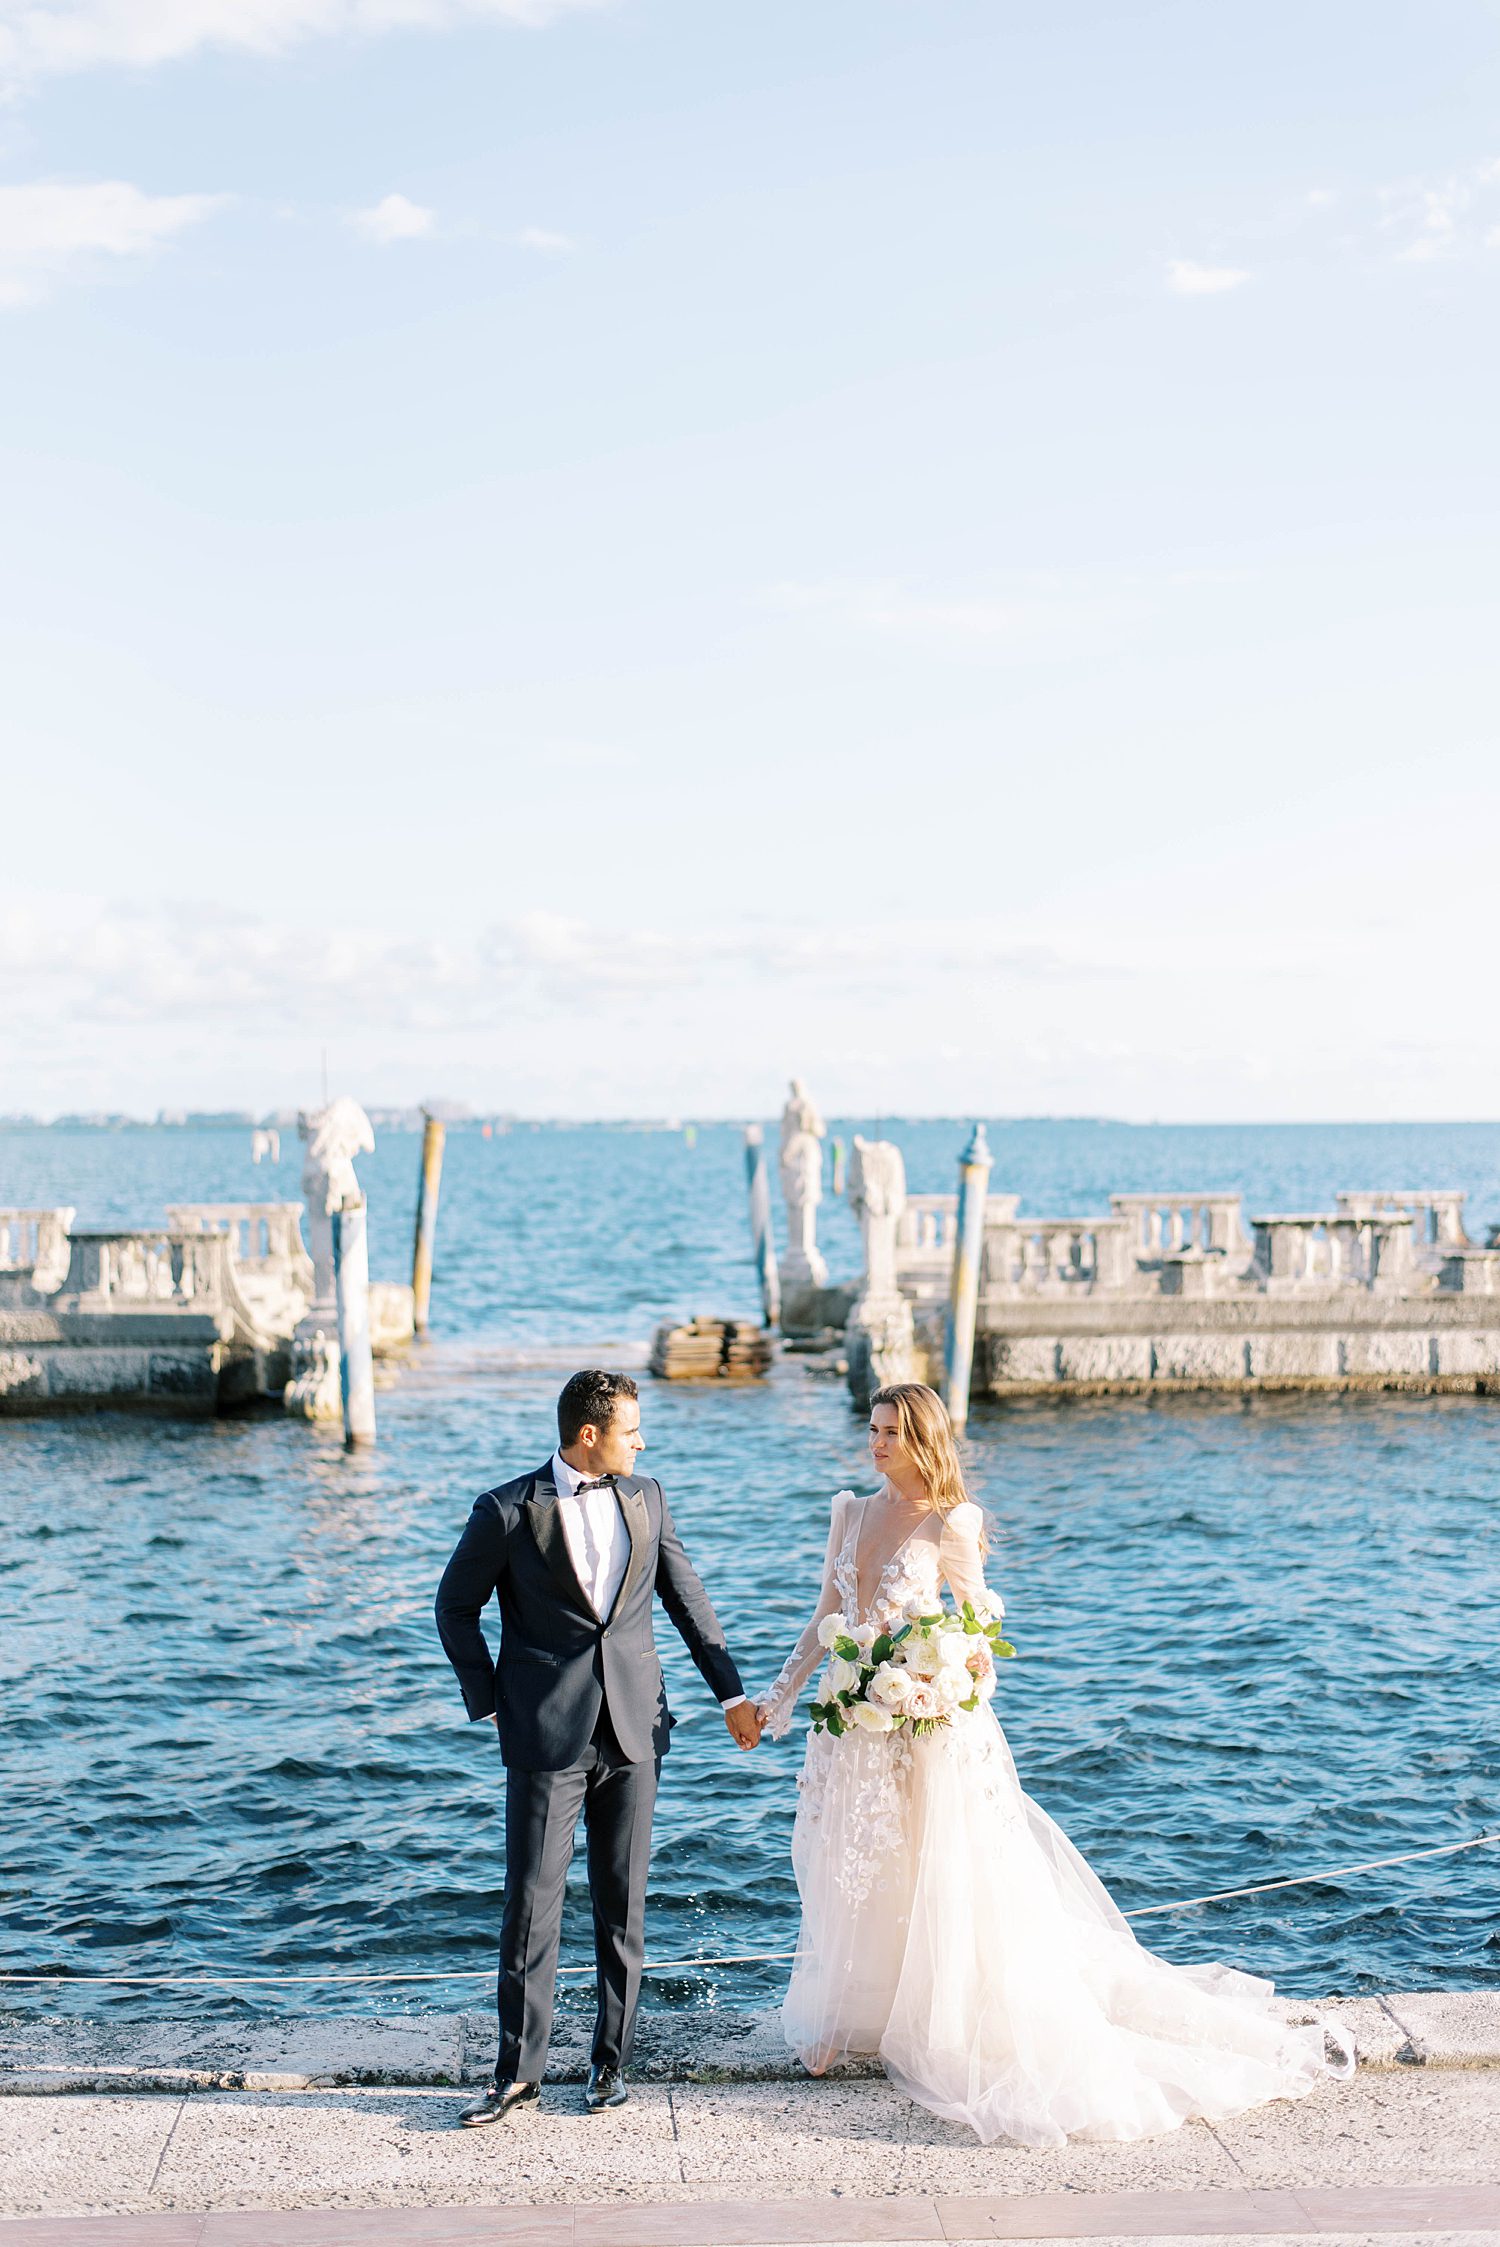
<point>925,1432</point>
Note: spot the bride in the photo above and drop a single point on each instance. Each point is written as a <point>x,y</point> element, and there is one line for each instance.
<point>947,1924</point>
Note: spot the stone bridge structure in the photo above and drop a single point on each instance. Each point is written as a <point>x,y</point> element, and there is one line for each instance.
<point>1176,1291</point>
<point>220,1308</point>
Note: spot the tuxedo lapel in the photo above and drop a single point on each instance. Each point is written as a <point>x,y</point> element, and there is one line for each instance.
<point>633,1507</point>
<point>547,1529</point>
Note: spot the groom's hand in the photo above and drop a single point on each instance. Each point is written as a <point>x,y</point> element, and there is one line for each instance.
<point>744,1724</point>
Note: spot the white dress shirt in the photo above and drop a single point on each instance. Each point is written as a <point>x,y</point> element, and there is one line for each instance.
<point>594,1529</point>
<point>597,1541</point>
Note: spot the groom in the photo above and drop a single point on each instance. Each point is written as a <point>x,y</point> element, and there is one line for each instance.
<point>575,1552</point>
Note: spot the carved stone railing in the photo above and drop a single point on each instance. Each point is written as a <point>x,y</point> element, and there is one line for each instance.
<point>1470,1271</point>
<point>1437,1217</point>
<point>926,1231</point>
<point>34,1247</point>
<point>148,1268</point>
<point>1164,1225</point>
<point>263,1236</point>
<point>1057,1256</point>
<point>1326,1250</point>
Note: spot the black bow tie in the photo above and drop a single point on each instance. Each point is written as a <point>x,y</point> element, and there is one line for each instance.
<point>605,1482</point>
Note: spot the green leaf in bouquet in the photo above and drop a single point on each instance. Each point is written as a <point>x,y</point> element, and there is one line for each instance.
<point>881,1650</point>
<point>846,1649</point>
<point>836,1724</point>
<point>1002,1647</point>
<point>903,1633</point>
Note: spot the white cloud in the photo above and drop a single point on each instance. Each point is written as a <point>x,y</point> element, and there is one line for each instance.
<point>394,219</point>
<point>149,968</point>
<point>1189,279</point>
<point>542,238</point>
<point>52,230</point>
<point>41,36</point>
<point>1451,217</point>
<point>1029,617</point>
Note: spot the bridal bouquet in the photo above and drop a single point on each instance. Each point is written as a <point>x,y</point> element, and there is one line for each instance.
<point>916,1678</point>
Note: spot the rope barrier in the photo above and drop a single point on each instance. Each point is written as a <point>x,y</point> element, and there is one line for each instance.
<point>693,1965</point>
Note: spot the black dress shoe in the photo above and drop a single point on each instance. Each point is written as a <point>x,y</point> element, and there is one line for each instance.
<point>498,2102</point>
<point>606,2088</point>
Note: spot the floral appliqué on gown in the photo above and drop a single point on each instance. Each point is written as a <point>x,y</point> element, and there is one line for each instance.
<point>949,1926</point>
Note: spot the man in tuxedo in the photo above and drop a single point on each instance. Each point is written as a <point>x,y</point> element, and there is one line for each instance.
<point>575,1552</point>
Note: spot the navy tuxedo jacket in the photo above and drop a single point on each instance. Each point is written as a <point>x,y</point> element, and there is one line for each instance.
<point>559,1662</point>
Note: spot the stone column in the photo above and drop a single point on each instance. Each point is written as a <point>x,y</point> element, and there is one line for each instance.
<point>963,1293</point>
<point>880,1336</point>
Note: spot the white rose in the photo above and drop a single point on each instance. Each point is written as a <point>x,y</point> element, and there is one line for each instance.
<point>924,1707</point>
<point>843,1676</point>
<point>890,1688</point>
<point>832,1627</point>
<point>951,1687</point>
<point>915,1609</point>
<point>869,1718</point>
<point>985,1686</point>
<point>953,1650</point>
<point>920,1656</point>
<point>865,1637</point>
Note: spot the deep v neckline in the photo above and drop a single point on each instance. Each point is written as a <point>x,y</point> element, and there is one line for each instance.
<point>867,1610</point>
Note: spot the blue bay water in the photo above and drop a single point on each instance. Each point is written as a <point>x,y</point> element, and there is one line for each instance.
<point>1256,1634</point>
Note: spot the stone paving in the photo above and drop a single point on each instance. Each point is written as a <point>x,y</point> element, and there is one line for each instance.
<point>1410,2147</point>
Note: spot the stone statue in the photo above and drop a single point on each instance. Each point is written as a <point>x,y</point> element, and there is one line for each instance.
<point>333,1137</point>
<point>880,1335</point>
<point>877,1196</point>
<point>802,1131</point>
<point>799,1115</point>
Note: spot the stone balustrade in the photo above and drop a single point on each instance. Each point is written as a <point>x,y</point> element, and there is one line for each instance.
<point>1071,1255</point>
<point>928,1227</point>
<point>1320,1250</point>
<point>1171,1224</point>
<point>157,1267</point>
<point>259,1232</point>
<point>34,1247</point>
<point>1437,1215</point>
<point>1470,1271</point>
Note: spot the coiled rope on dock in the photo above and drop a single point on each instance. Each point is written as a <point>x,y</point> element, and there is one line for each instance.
<point>695,1965</point>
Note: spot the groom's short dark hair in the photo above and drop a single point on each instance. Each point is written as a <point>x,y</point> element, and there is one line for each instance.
<point>589,1401</point>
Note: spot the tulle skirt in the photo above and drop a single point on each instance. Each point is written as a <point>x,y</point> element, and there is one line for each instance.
<point>951,1928</point>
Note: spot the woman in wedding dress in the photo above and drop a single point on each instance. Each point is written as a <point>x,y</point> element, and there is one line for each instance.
<point>947,1924</point>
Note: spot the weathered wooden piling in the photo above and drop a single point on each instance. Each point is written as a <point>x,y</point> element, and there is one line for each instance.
<point>760,1223</point>
<point>433,1134</point>
<point>963,1300</point>
<point>351,1279</point>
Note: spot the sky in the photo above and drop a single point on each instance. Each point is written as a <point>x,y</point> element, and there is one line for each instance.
<point>583,556</point>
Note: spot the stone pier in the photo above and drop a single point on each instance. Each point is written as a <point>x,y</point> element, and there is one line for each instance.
<point>215,1310</point>
<point>1174,1291</point>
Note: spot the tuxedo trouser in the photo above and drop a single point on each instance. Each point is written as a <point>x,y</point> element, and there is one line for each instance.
<point>542,1808</point>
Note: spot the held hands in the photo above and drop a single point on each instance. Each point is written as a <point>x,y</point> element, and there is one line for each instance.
<point>744,1725</point>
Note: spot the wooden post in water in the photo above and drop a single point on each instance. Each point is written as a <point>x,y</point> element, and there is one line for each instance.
<point>968,1248</point>
<point>351,1280</point>
<point>433,1133</point>
<point>760,1223</point>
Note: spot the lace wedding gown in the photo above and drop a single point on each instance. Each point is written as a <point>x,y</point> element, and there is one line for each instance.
<point>949,1926</point>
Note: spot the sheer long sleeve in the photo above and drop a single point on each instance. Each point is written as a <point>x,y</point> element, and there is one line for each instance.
<point>778,1704</point>
<point>961,1559</point>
